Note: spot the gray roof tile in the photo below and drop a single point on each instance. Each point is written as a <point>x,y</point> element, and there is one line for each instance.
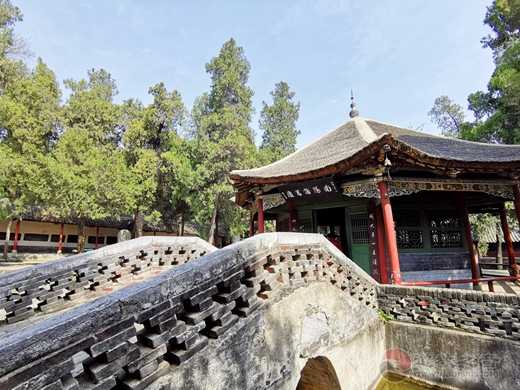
<point>358,133</point>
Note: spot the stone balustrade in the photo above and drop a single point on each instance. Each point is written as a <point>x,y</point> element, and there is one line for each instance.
<point>50,287</point>
<point>470,311</point>
<point>133,336</point>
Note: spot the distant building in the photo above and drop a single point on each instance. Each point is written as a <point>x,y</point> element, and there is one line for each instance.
<point>38,234</point>
<point>492,235</point>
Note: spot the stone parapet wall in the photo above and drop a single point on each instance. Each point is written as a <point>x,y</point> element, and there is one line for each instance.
<point>133,336</point>
<point>50,287</point>
<point>452,358</point>
<point>491,314</point>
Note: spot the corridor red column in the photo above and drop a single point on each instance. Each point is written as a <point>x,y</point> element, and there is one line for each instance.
<point>260,207</point>
<point>380,245</point>
<point>475,270</point>
<point>16,236</point>
<point>391,240</point>
<point>60,242</point>
<point>97,235</point>
<point>507,237</point>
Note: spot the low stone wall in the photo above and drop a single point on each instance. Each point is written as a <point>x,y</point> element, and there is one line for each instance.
<point>134,336</point>
<point>491,314</point>
<point>454,358</point>
<point>52,286</point>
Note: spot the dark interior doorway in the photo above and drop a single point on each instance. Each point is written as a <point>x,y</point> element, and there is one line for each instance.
<point>318,374</point>
<point>331,223</point>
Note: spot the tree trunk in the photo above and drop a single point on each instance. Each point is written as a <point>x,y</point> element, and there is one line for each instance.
<point>81,237</point>
<point>138,224</point>
<point>213,226</point>
<point>182,224</point>
<point>7,238</point>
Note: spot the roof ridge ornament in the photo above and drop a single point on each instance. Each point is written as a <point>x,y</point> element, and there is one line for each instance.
<point>353,111</point>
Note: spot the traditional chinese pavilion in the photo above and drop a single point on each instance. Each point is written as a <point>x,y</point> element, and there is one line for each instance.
<point>394,200</point>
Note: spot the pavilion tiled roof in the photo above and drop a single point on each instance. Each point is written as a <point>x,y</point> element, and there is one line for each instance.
<point>489,235</point>
<point>359,135</point>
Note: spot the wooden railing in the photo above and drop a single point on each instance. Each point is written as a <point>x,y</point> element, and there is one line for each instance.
<point>492,263</point>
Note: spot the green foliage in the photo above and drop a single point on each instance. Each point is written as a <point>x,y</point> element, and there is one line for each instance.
<point>91,109</point>
<point>224,141</point>
<point>278,122</point>
<point>21,181</point>
<point>447,115</point>
<point>142,184</point>
<point>29,111</point>
<point>229,106</point>
<point>87,181</point>
<point>497,110</point>
<point>383,316</point>
<point>10,44</point>
<point>91,158</point>
<point>503,16</point>
<point>150,132</point>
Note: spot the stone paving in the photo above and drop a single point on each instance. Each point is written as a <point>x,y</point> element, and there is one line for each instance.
<point>15,263</point>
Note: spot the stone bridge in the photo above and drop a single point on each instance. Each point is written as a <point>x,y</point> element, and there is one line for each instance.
<point>276,311</point>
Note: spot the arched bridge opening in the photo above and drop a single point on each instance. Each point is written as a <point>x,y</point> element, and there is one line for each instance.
<point>318,374</point>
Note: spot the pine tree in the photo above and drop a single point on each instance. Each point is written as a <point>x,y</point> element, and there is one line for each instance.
<point>229,104</point>
<point>88,177</point>
<point>88,181</point>
<point>11,46</point>
<point>150,132</point>
<point>90,107</point>
<point>278,122</point>
<point>497,110</point>
<point>29,119</point>
<point>30,111</point>
<point>224,140</point>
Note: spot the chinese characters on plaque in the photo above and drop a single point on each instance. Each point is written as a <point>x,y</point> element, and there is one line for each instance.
<point>310,189</point>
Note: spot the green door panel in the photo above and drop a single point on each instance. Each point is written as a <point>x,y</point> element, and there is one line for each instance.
<point>361,256</point>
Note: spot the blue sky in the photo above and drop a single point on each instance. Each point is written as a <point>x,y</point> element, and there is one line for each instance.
<point>398,56</point>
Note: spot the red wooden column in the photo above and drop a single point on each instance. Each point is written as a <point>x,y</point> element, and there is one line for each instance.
<point>260,207</point>
<point>380,245</point>
<point>16,236</point>
<point>507,237</point>
<point>391,240</point>
<point>475,270</point>
<point>60,242</point>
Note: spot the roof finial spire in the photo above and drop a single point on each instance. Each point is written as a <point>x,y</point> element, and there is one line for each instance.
<point>353,111</point>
